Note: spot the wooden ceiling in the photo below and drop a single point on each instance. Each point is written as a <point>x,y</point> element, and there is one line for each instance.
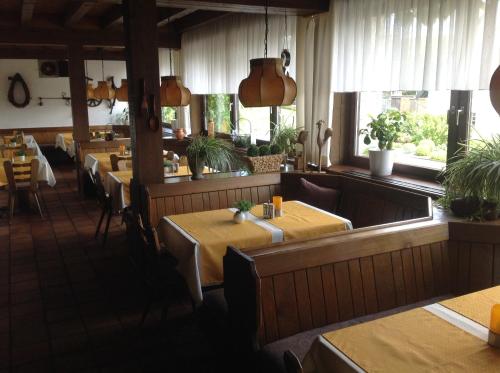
<point>100,22</point>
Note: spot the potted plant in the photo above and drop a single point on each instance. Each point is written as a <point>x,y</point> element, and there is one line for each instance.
<point>264,158</point>
<point>472,181</point>
<point>21,155</point>
<point>286,138</point>
<point>210,152</point>
<point>385,128</point>
<point>241,214</point>
<point>13,141</point>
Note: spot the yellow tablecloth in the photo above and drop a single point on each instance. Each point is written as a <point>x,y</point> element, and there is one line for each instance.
<point>103,162</point>
<point>68,139</point>
<point>301,221</point>
<point>117,184</point>
<point>417,341</point>
<point>475,306</point>
<point>199,240</point>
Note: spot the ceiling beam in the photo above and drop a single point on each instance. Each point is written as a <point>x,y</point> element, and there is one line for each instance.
<point>292,7</point>
<point>47,53</point>
<point>15,36</point>
<point>76,11</point>
<point>196,19</point>
<point>180,13</point>
<point>112,18</point>
<point>27,9</point>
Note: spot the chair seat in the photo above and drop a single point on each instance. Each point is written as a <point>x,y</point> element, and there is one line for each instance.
<point>23,185</point>
<point>271,355</point>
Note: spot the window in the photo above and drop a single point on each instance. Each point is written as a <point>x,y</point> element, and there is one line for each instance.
<point>218,108</point>
<point>168,115</point>
<point>425,138</point>
<point>255,122</point>
<point>484,122</point>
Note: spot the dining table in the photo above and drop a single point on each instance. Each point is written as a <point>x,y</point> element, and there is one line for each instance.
<point>199,240</point>
<point>65,142</point>
<point>45,172</point>
<point>450,335</point>
<point>117,184</point>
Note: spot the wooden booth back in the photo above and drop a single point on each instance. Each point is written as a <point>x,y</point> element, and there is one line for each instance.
<point>362,202</point>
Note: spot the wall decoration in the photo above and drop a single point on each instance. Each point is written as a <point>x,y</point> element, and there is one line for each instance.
<point>18,79</point>
<point>322,141</point>
<point>67,99</point>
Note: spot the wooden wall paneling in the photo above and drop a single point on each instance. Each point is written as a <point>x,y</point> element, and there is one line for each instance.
<point>481,266</point>
<point>446,268</point>
<point>389,212</point>
<point>330,287</point>
<point>214,200</point>
<point>369,288</point>
<point>223,200</point>
<point>170,206</point>
<point>231,197</point>
<point>186,203</point>
<point>496,266</point>
<point>246,194</point>
<point>303,300</point>
<point>358,297</point>
<point>344,295</point>
<point>409,275</point>
<point>438,269</point>
<point>269,309</point>
<point>264,193</point>
<point>384,281</point>
<point>255,195</point>
<point>197,202</point>
<point>286,305</point>
<point>399,282</point>
<point>463,271</point>
<point>419,274</point>
<point>206,201</point>
<point>316,295</point>
<point>425,251</point>
<point>453,260</point>
<point>179,205</point>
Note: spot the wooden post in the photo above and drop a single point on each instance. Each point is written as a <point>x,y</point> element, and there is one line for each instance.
<point>79,111</point>
<point>143,75</point>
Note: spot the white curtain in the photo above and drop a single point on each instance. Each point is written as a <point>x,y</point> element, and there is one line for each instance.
<point>314,91</point>
<point>165,58</point>
<point>414,44</point>
<point>215,56</point>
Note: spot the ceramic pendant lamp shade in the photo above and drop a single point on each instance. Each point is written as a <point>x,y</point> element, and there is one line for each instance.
<point>173,93</point>
<point>121,93</point>
<point>90,91</point>
<point>495,90</point>
<point>267,85</point>
<point>104,91</point>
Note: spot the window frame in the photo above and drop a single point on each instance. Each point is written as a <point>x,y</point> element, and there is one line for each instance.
<point>458,134</point>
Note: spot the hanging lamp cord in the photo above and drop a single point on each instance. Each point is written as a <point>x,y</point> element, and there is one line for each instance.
<point>286,32</point>
<point>267,30</point>
<point>102,63</point>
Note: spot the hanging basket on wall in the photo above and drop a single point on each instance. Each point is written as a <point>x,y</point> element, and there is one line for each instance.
<point>18,79</point>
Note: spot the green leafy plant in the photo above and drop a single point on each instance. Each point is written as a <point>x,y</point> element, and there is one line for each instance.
<point>243,205</point>
<point>264,150</point>
<point>276,149</point>
<point>286,138</point>
<point>474,173</point>
<point>20,153</point>
<point>242,141</point>
<point>13,140</point>
<point>386,128</point>
<point>212,152</point>
<point>253,151</point>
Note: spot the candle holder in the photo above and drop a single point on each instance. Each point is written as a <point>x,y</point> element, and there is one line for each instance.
<point>494,333</point>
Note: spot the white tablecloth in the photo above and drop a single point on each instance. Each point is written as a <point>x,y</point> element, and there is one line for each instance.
<point>60,143</point>
<point>45,172</point>
<point>114,187</point>
<point>91,163</point>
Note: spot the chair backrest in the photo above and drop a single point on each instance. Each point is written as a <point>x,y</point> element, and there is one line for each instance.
<point>183,161</point>
<point>114,162</point>
<point>102,197</point>
<point>22,172</point>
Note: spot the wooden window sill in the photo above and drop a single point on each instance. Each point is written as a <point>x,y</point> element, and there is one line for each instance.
<point>429,188</point>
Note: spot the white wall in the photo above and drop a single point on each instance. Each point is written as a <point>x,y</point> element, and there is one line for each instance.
<point>53,113</point>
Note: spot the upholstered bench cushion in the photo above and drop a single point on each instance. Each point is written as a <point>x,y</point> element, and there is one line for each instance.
<point>271,355</point>
<point>318,196</point>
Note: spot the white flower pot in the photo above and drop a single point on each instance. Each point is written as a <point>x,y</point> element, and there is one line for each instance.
<point>240,216</point>
<point>22,158</point>
<point>381,162</point>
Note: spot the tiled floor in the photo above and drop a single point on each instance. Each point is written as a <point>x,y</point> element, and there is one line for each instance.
<point>68,305</point>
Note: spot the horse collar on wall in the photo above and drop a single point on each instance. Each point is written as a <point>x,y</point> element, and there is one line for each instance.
<point>18,79</point>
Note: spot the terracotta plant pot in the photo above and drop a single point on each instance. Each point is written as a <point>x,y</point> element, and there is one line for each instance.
<point>180,134</point>
<point>489,210</point>
<point>465,207</point>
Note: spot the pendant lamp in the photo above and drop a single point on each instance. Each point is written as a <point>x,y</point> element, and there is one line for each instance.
<point>172,91</point>
<point>121,93</point>
<point>103,91</point>
<point>495,90</point>
<point>267,85</point>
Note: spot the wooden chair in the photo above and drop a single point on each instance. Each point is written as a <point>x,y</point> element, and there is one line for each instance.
<point>183,161</point>
<point>118,164</point>
<point>292,362</point>
<point>162,280</point>
<point>22,177</point>
<point>105,201</point>
<point>10,151</point>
